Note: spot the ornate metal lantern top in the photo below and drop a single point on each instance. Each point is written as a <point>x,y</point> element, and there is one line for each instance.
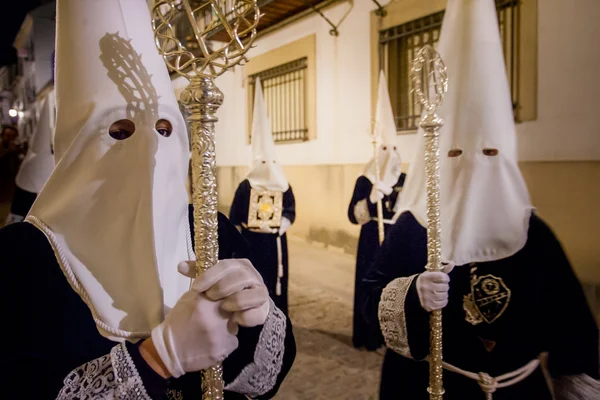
<point>429,69</point>
<point>234,21</point>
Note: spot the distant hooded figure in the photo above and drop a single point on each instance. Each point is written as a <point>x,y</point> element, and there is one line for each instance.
<point>369,189</point>
<point>98,274</point>
<point>37,165</point>
<point>264,207</point>
<point>507,291</point>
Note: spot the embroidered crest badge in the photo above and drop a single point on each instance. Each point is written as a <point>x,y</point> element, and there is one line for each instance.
<point>265,208</point>
<point>488,299</point>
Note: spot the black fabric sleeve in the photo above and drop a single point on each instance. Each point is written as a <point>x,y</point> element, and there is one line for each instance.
<point>397,188</point>
<point>56,331</point>
<point>239,208</point>
<point>417,324</point>
<point>289,205</point>
<point>402,254</point>
<point>22,201</point>
<point>572,329</point>
<point>156,386</point>
<point>18,360</point>
<point>362,190</point>
<point>244,355</point>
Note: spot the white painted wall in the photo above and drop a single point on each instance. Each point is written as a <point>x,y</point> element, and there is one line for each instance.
<point>568,123</point>
<point>567,127</point>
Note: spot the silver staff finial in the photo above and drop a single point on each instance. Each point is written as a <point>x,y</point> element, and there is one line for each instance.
<point>430,82</point>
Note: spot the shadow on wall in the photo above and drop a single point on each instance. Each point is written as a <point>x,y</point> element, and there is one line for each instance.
<point>333,238</point>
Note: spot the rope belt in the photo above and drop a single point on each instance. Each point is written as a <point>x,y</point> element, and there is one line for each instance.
<point>279,267</point>
<point>258,230</point>
<point>490,384</point>
<point>385,221</point>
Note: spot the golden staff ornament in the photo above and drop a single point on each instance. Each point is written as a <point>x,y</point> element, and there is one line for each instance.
<point>430,83</point>
<point>223,31</point>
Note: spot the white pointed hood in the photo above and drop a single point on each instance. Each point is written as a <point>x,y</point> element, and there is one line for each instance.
<point>39,161</point>
<point>265,173</point>
<point>115,211</point>
<point>484,202</point>
<point>390,163</point>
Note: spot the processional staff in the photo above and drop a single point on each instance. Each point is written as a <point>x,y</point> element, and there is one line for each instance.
<point>430,83</point>
<point>223,31</point>
<point>376,135</point>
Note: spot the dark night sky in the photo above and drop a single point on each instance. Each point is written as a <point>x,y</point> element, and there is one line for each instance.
<point>10,26</point>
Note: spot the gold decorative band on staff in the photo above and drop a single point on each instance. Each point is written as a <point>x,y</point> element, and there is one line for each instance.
<point>221,37</point>
<point>430,82</point>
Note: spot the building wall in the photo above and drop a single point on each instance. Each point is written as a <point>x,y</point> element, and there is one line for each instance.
<point>559,151</point>
<point>43,37</point>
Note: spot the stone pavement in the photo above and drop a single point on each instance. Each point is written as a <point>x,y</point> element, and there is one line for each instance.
<point>327,366</point>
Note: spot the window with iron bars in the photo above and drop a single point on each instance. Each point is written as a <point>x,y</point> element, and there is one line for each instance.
<point>284,90</point>
<point>399,45</point>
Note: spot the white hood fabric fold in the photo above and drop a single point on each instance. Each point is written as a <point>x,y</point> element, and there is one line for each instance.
<point>390,163</point>
<point>484,203</point>
<point>39,161</point>
<point>265,173</point>
<point>115,211</point>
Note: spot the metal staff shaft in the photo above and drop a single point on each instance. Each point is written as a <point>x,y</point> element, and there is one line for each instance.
<point>429,77</point>
<point>202,99</point>
<point>431,125</point>
<point>380,226</point>
<point>238,21</point>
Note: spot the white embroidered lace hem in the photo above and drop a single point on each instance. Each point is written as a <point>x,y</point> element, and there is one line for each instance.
<point>392,315</point>
<point>112,376</point>
<point>260,376</point>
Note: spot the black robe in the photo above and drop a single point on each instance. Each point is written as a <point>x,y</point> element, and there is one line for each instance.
<point>10,161</point>
<point>368,243</point>
<point>264,245</point>
<point>49,331</point>
<point>547,312</point>
<point>22,202</point>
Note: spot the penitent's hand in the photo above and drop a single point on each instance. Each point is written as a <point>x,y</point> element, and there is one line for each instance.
<point>433,288</point>
<point>238,286</point>
<point>196,334</point>
<point>379,191</point>
<point>285,225</point>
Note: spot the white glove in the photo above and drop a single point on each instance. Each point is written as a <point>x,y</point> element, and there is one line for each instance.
<point>196,334</point>
<point>239,288</point>
<point>433,288</point>
<point>285,224</point>
<point>378,192</point>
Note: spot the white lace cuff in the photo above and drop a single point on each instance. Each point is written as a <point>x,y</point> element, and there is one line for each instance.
<point>112,376</point>
<point>392,315</point>
<point>260,376</point>
<point>361,212</point>
<point>576,387</point>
